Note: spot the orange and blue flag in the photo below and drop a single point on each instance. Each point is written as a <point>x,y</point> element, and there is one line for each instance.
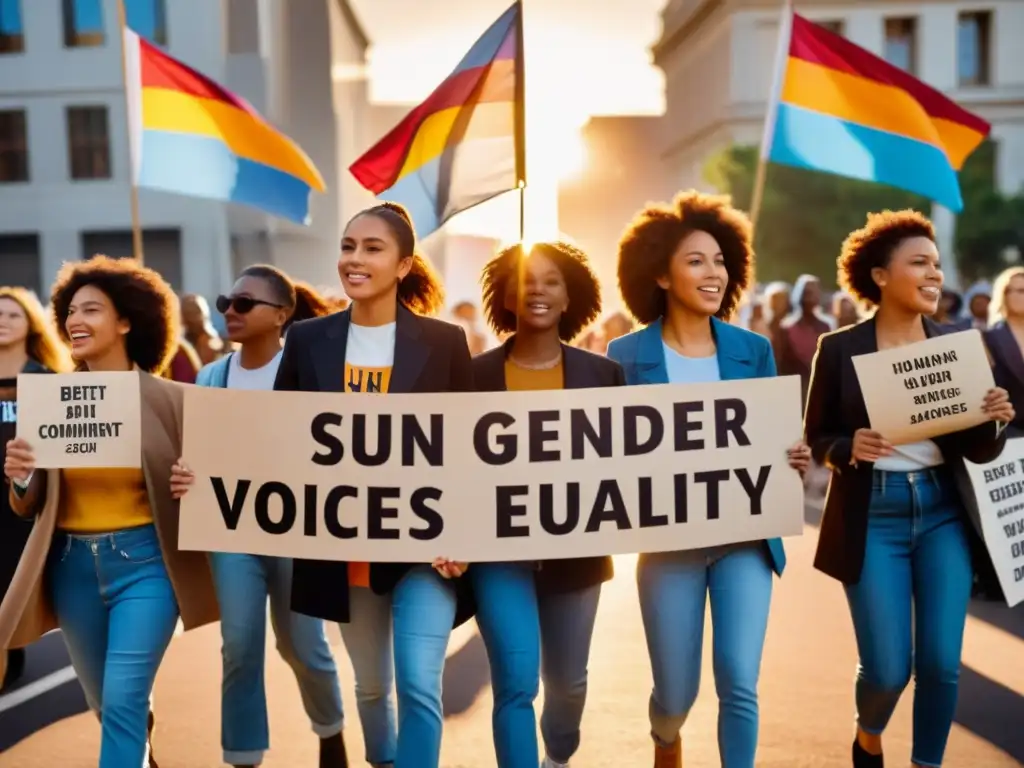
<point>194,137</point>
<point>464,144</point>
<point>840,109</point>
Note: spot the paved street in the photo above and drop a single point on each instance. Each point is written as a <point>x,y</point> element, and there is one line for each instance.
<point>806,694</point>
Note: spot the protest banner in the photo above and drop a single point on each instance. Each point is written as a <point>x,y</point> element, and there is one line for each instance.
<point>74,420</point>
<point>491,476</point>
<point>999,491</point>
<point>927,389</point>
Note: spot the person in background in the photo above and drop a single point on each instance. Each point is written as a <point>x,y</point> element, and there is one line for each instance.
<point>976,303</point>
<point>775,301</point>
<point>558,296</point>
<point>198,330</point>
<point>844,309</point>
<point>465,314</point>
<point>1005,340</point>
<point>184,364</point>
<point>28,344</point>
<point>896,530</point>
<point>262,306</point>
<point>102,562</point>
<point>757,322</point>
<point>799,333</point>
<point>682,269</point>
<point>950,308</point>
<point>617,325</point>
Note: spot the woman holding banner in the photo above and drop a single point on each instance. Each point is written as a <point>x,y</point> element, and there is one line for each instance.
<point>895,529</point>
<point>28,344</point>
<point>262,305</point>
<point>384,343</point>
<point>518,619</point>
<point>682,270</point>
<point>102,562</point>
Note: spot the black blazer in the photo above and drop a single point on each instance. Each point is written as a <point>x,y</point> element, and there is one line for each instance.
<point>1008,369</point>
<point>582,370</point>
<point>430,356</point>
<point>835,410</point>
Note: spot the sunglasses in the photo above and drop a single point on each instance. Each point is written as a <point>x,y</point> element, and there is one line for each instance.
<point>243,304</point>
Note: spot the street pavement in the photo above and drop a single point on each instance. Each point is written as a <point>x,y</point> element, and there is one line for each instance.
<point>806,693</point>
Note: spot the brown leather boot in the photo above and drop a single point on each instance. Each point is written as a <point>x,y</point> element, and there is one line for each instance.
<point>332,752</point>
<point>669,757</point>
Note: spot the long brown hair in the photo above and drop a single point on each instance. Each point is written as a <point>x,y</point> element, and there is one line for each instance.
<point>43,343</point>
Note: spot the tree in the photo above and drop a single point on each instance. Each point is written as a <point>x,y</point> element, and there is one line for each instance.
<point>805,215</point>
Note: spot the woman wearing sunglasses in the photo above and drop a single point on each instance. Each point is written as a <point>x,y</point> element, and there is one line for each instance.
<point>262,305</point>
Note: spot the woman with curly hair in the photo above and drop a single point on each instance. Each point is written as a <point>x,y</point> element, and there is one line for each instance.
<point>28,344</point>
<point>544,299</point>
<point>895,530</point>
<point>102,562</point>
<point>262,306</point>
<point>682,270</point>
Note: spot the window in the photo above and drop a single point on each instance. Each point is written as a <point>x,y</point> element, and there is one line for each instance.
<point>88,143</point>
<point>83,23</point>
<point>13,146</point>
<point>835,27</point>
<point>148,19</point>
<point>19,253</point>
<point>901,43</point>
<point>973,51</point>
<point>12,34</point>
<point>161,249</point>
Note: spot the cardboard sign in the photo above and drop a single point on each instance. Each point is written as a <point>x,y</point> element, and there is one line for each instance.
<point>491,476</point>
<point>81,419</point>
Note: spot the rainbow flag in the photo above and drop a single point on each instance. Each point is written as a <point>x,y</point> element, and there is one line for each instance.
<point>193,137</point>
<point>464,144</point>
<point>840,109</point>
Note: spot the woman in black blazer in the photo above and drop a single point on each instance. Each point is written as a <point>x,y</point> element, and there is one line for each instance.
<point>1005,340</point>
<point>895,530</point>
<point>560,296</point>
<point>383,343</point>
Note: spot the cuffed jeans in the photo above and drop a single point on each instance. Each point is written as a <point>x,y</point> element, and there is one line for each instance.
<point>243,584</point>
<point>423,611</point>
<point>566,629</point>
<point>910,605</point>
<point>368,641</point>
<point>507,616</point>
<point>674,589</point>
<point>117,610</point>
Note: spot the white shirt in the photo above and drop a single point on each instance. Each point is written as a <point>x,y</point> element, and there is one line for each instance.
<point>911,457</point>
<point>252,378</point>
<point>369,357</point>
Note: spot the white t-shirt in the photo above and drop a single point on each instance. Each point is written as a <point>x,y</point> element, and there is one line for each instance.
<point>369,357</point>
<point>912,457</point>
<point>252,378</point>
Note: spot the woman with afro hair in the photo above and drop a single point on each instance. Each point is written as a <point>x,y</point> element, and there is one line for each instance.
<point>895,530</point>
<point>102,562</point>
<point>682,270</point>
<point>542,300</point>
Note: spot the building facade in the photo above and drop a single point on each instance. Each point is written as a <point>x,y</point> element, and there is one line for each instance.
<point>64,162</point>
<point>718,58</point>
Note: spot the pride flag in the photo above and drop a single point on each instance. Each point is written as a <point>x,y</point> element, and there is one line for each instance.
<point>193,137</point>
<point>840,109</point>
<point>463,145</point>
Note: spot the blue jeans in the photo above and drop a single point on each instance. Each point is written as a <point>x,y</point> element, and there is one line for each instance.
<point>507,616</point>
<point>423,611</point>
<point>674,589</point>
<point>117,610</point>
<point>243,583</point>
<point>910,605</point>
<point>566,629</point>
<point>368,641</point>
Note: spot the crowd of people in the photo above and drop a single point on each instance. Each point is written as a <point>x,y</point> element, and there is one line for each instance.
<point>101,560</point>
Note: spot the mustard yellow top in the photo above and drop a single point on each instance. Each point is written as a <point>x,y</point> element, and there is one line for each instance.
<point>102,500</point>
<point>519,379</point>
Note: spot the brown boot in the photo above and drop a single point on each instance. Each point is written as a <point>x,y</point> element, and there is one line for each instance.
<point>150,725</point>
<point>332,752</point>
<point>669,757</point>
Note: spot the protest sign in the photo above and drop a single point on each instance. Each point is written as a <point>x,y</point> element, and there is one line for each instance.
<point>81,419</point>
<point>927,389</point>
<point>491,476</point>
<point>999,491</point>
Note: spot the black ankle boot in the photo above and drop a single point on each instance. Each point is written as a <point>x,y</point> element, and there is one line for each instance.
<point>332,752</point>
<point>864,759</point>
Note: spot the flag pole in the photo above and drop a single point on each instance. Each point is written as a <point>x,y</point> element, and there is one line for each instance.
<point>133,188</point>
<point>520,128</point>
<point>781,54</point>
